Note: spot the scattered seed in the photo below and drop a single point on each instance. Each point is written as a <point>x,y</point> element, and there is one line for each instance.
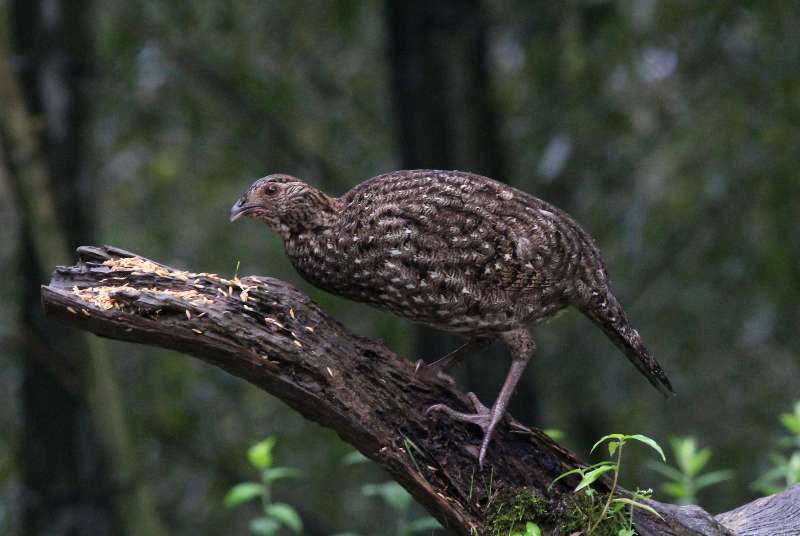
<point>188,315</point>
<point>297,343</point>
<point>230,290</point>
<point>202,314</point>
<point>197,331</point>
<point>248,308</point>
<point>329,371</point>
<point>291,313</point>
<point>273,321</point>
<point>71,310</point>
<point>221,291</point>
<point>309,328</point>
<point>85,312</point>
<point>128,330</point>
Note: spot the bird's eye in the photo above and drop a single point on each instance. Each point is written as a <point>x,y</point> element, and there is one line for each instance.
<point>271,189</point>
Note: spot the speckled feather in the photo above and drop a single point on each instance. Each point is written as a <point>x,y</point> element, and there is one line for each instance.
<point>453,250</point>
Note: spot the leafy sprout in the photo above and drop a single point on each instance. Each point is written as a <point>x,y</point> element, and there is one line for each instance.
<point>614,504</point>
<point>687,479</point>
<point>785,470</point>
<point>274,515</point>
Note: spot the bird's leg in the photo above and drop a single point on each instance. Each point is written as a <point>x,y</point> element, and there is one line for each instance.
<point>432,371</point>
<point>521,346</point>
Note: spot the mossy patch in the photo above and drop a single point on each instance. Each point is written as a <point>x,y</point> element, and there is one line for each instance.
<point>574,513</point>
<point>578,512</point>
<point>510,515</point>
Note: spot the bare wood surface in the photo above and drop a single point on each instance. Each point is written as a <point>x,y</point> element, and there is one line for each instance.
<point>269,333</point>
<point>776,515</point>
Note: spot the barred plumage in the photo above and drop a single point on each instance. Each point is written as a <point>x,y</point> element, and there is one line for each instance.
<point>453,250</point>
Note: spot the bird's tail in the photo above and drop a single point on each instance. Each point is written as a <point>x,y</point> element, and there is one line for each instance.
<point>605,311</point>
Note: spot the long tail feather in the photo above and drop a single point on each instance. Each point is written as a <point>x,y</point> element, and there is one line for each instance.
<point>605,311</point>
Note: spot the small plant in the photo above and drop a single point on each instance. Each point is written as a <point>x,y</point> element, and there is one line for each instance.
<point>686,480</point>
<point>531,529</point>
<point>395,497</point>
<point>274,514</point>
<point>611,511</point>
<point>785,471</point>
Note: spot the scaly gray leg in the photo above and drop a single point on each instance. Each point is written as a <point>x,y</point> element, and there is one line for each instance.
<point>521,346</point>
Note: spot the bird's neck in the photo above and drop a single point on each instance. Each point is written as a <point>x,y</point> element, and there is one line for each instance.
<point>319,213</point>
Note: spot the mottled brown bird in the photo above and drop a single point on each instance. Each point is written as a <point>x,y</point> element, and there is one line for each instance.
<point>453,250</point>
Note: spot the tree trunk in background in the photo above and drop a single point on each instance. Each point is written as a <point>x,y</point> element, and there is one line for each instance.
<point>65,477</point>
<point>73,450</point>
<point>445,119</point>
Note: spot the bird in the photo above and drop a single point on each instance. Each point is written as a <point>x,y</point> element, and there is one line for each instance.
<point>453,250</point>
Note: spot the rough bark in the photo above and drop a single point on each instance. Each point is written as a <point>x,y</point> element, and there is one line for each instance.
<point>269,333</point>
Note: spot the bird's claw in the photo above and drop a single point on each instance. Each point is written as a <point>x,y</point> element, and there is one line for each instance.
<point>482,418</point>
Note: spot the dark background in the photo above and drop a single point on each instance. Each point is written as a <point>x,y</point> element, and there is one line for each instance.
<point>669,129</point>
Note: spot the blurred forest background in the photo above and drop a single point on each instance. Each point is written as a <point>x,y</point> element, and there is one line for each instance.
<point>669,129</point>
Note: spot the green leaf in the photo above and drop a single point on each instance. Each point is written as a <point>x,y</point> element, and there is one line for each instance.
<point>619,437</point>
<point>392,494</point>
<point>593,475</point>
<point>665,470</point>
<point>612,447</point>
<point>626,532</point>
<point>264,526</point>
<point>285,514</point>
<point>277,473</point>
<point>554,433</point>
<point>243,492</point>
<point>791,422</point>
<point>260,454</point>
<point>635,504</point>
<point>578,471</point>
<point>650,443</point>
<point>423,523</point>
<point>532,529</point>
<point>617,507</point>
<point>699,461</point>
<point>678,490</point>
<point>714,477</point>
<point>354,458</point>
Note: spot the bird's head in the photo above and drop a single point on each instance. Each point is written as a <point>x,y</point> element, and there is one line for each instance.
<point>286,204</point>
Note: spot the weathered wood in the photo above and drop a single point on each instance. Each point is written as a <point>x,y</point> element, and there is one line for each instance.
<point>776,515</point>
<point>269,333</point>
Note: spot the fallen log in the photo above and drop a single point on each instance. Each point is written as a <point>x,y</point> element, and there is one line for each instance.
<point>272,335</point>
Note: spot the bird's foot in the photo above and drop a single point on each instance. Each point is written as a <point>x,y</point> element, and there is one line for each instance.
<point>484,418</point>
<point>432,372</point>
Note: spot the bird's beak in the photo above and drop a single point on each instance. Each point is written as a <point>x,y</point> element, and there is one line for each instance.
<point>241,208</point>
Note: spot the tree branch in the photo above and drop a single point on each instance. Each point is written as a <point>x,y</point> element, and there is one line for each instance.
<point>269,333</point>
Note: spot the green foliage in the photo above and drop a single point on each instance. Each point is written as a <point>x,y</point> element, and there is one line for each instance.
<point>531,529</point>
<point>275,515</point>
<point>554,433</point>
<point>687,479</point>
<point>514,515</point>
<point>785,470</point>
<point>615,516</point>
<point>394,496</point>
